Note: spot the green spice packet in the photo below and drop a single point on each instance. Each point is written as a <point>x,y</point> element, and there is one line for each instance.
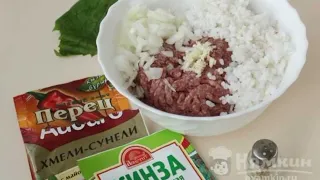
<point>160,156</point>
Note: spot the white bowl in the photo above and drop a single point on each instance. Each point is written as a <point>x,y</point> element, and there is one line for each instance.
<point>281,10</point>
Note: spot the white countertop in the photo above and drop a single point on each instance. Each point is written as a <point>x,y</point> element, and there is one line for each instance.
<point>28,62</point>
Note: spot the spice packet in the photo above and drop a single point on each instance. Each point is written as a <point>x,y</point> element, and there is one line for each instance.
<point>162,155</point>
<point>63,123</point>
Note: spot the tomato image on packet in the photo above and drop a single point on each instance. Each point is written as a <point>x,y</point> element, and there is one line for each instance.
<point>67,122</point>
<point>164,155</point>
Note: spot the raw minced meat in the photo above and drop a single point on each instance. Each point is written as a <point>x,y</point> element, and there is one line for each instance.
<point>188,94</point>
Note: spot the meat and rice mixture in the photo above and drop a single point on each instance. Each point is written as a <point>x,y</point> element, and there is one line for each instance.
<point>184,92</point>
<point>220,58</point>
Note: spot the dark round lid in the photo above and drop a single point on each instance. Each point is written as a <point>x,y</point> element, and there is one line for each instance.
<point>264,152</point>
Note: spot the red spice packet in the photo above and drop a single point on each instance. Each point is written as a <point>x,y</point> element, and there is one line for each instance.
<point>67,122</point>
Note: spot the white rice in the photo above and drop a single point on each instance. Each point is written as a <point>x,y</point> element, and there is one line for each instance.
<point>260,50</point>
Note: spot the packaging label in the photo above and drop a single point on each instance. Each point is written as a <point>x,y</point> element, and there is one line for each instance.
<point>167,162</point>
<point>67,122</point>
<point>70,174</point>
<point>160,156</point>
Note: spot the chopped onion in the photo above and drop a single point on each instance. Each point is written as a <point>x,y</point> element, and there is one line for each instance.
<point>212,77</point>
<point>170,67</point>
<point>139,92</point>
<point>132,57</point>
<point>141,43</point>
<point>178,45</point>
<point>132,77</point>
<point>148,63</point>
<point>176,37</point>
<point>166,30</point>
<point>133,39</point>
<point>223,113</point>
<point>154,51</point>
<point>137,12</point>
<point>154,73</point>
<point>188,33</point>
<point>161,15</point>
<point>210,104</point>
<point>143,58</point>
<point>123,64</point>
<point>220,70</point>
<point>169,85</point>
<point>167,53</point>
<point>140,29</point>
<point>155,41</point>
<point>153,28</point>
<point>221,61</point>
<point>144,34</point>
<point>212,62</point>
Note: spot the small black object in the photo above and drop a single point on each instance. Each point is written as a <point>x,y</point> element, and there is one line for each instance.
<point>264,153</point>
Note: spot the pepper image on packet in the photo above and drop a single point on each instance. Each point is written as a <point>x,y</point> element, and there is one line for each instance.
<point>164,155</point>
<point>67,122</point>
